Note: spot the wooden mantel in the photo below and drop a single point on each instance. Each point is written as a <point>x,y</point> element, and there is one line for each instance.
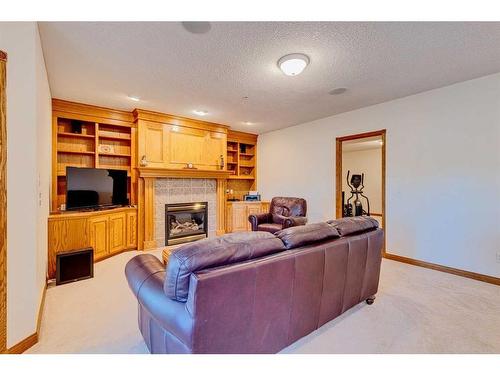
<point>147,177</point>
<point>183,173</point>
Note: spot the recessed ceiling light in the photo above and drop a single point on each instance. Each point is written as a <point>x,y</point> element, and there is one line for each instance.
<point>134,98</point>
<point>338,91</point>
<point>248,123</point>
<point>293,64</point>
<point>197,27</point>
<point>200,112</point>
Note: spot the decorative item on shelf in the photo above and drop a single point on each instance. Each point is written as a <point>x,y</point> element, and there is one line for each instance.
<point>231,197</point>
<point>246,172</point>
<point>76,127</point>
<point>190,166</point>
<point>144,161</point>
<point>106,149</point>
<point>243,148</point>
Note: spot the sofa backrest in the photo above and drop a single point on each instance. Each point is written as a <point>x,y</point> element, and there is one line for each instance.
<point>351,225</point>
<point>223,250</point>
<point>306,234</point>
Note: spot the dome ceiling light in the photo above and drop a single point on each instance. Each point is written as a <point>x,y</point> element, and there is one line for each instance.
<point>293,64</point>
<point>200,112</point>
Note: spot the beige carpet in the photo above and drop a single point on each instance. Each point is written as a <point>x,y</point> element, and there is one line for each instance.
<point>416,311</point>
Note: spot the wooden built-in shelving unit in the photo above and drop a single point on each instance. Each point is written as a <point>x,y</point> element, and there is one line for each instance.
<point>90,137</point>
<point>163,145</point>
<point>241,162</point>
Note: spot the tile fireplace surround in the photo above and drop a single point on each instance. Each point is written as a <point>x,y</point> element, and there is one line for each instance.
<point>183,190</point>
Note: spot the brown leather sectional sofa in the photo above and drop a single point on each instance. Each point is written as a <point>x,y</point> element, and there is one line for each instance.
<point>255,292</point>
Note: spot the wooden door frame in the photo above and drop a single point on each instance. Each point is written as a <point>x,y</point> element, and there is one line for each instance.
<point>3,204</point>
<point>338,173</point>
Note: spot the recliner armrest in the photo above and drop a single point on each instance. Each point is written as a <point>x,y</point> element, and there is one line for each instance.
<point>294,221</point>
<point>258,219</point>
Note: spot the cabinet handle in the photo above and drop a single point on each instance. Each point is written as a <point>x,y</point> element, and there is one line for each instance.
<point>144,161</point>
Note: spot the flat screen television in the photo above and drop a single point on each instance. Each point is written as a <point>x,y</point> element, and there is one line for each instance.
<point>95,188</point>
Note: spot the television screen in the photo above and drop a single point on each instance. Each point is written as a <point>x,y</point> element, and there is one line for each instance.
<point>92,187</point>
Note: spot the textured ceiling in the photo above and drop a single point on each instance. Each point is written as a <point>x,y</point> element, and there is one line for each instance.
<point>175,71</point>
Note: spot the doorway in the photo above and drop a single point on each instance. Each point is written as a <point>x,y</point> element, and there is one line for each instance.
<point>360,166</point>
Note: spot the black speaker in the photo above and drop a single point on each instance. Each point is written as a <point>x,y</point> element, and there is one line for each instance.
<point>74,265</point>
<point>76,126</point>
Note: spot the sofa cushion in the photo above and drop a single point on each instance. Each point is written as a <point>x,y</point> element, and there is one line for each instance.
<point>226,249</point>
<point>302,235</point>
<point>270,227</point>
<point>351,225</point>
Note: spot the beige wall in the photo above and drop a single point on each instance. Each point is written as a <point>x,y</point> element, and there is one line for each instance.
<point>368,162</point>
<point>28,175</point>
<point>442,165</point>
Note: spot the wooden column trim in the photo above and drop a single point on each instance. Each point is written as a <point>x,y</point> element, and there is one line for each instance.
<point>3,203</point>
<point>149,213</point>
<point>221,209</point>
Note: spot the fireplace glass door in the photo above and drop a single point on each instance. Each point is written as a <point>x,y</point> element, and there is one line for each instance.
<point>185,222</point>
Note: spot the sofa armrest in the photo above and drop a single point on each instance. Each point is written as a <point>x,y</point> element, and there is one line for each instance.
<point>145,275</point>
<point>294,221</point>
<point>258,219</point>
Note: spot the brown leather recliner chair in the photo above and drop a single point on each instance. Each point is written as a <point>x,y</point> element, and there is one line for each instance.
<point>284,212</point>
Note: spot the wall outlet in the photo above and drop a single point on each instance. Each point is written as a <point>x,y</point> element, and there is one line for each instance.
<point>498,257</point>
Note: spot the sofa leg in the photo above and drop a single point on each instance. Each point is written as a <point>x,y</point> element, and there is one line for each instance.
<point>370,300</point>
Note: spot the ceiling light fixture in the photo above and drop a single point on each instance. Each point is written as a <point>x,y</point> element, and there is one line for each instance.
<point>200,112</point>
<point>248,123</point>
<point>134,98</point>
<point>197,27</point>
<point>338,91</point>
<point>293,64</point>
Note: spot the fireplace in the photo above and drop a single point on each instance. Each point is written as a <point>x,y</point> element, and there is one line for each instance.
<point>185,222</point>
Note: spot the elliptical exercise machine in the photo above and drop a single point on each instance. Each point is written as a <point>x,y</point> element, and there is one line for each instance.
<point>357,185</point>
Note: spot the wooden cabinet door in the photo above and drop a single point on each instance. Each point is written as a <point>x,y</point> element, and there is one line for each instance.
<point>240,218</point>
<point>117,232</point>
<point>252,209</point>
<point>214,147</point>
<point>202,148</point>
<point>185,146</point>
<point>131,229</point>
<point>99,236</point>
<point>152,144</point>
